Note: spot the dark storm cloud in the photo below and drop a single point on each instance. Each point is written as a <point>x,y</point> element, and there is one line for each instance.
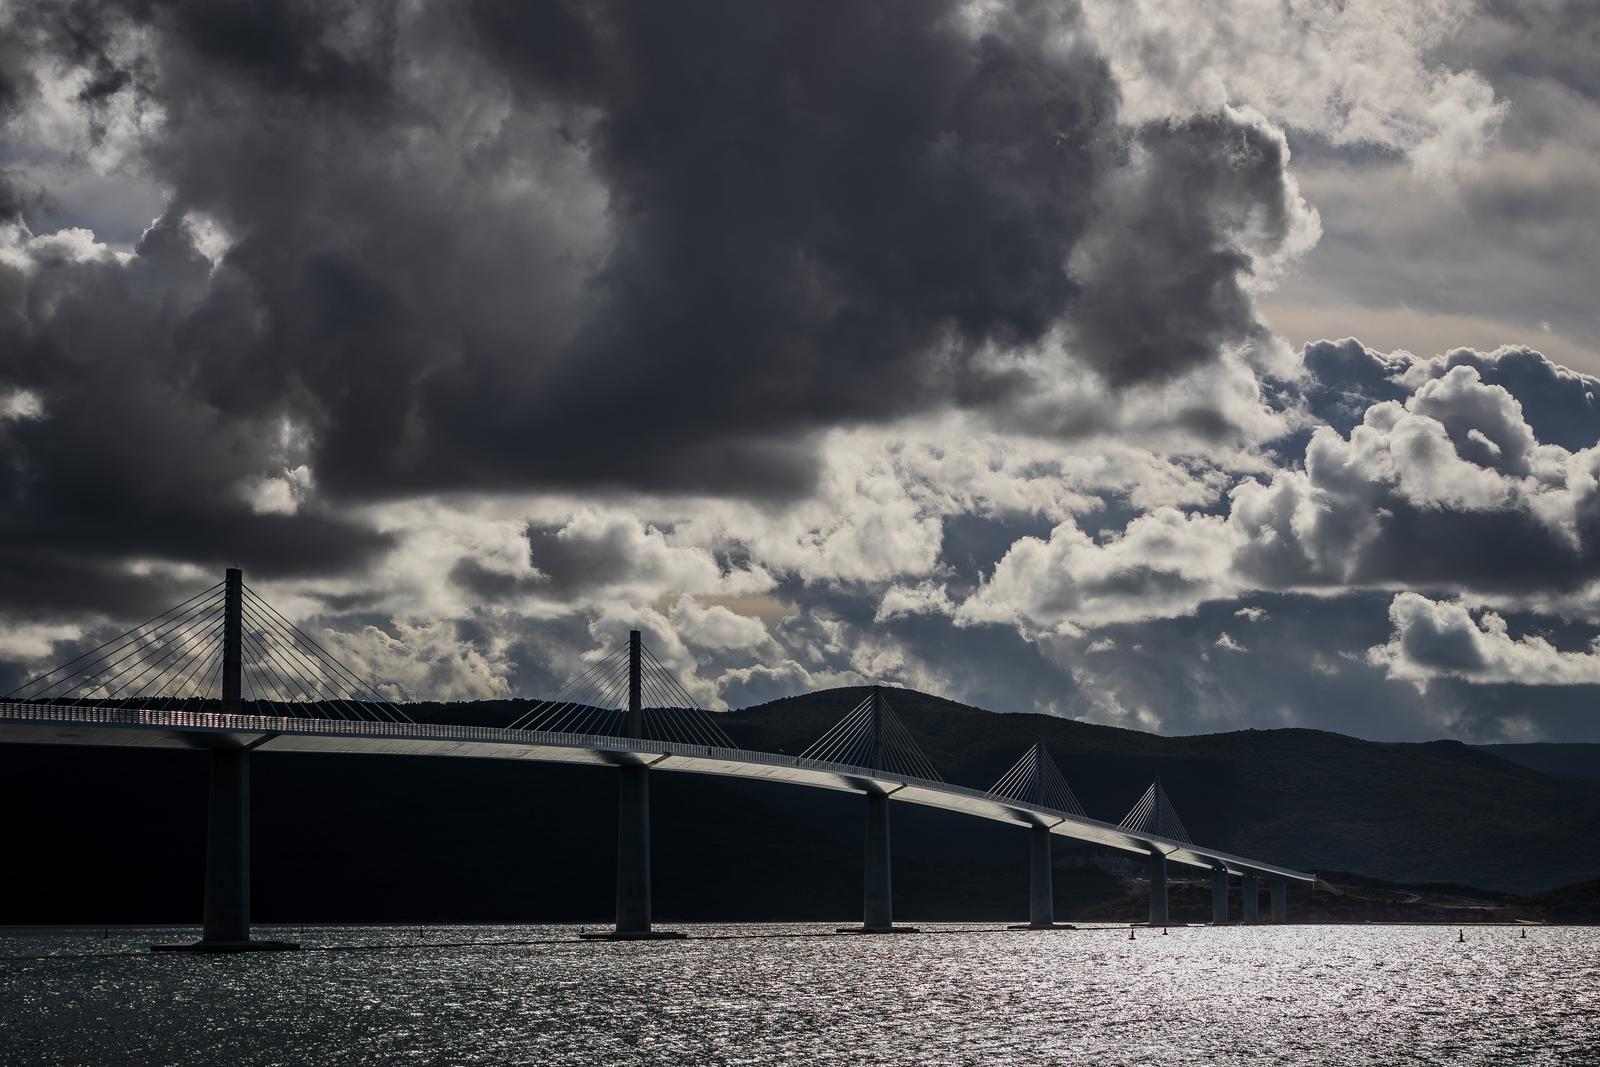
<point>1300,667</point>
<point>585,246</point>
<point>141,447</point>
<point>823,213</point>
<point>489,586</point>
<point>816,214</point>
<point>1166,271</point>
<point>12,77</point>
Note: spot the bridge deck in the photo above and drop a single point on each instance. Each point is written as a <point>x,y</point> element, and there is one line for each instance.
<point>152,728</point>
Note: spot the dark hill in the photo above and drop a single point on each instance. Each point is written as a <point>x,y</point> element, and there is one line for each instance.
<point>116,835</point>
<point>1573,759</point>
<point>1430,812</point>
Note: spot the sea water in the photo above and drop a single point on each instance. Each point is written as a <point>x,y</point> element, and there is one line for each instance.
<point>801,994</point>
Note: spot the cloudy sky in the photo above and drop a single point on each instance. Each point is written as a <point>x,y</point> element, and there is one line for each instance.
<point>1182,367</point>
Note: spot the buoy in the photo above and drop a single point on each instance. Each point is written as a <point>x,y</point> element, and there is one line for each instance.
<point>1524,933</point>
<point>1461,935</point>
<point>1163,931</point>
<point>1130,933</point>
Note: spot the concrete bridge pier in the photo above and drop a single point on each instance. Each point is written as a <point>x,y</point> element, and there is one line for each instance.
<point>1219,896</point>
<point>877,890</point>
<point>227,897</point>
<point>1280,900</point>
<point>877,884</point>
<point>226,923</point>
<point>633,851</point>
<point>1158,888</point>
<point>1252,898</point>
<point>1041,880</point>
<point>1041,883</point>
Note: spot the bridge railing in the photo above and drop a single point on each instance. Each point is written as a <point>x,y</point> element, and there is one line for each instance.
<point>88,714</point>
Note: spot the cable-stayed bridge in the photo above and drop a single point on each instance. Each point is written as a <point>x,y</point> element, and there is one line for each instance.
<point>226,673</point>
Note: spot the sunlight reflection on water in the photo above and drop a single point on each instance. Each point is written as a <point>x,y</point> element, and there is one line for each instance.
<point>760,994</point>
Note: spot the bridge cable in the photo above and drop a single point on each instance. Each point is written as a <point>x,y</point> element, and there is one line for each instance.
<point>1035,779</point>
<point>840,739</point>
<point>905,747</point>
<point>113,641</point>
<point>211,652</point>
<point>138,642</point>
<point>1155,815</point>
<point>139,652</point>
<point>268,656</point>
<point>306,681</point>
<point>354,683</point>
<point>138,658</point>
<point>286,682</point>
<point>570,689</point>
<point>284,633</point>
<point>180,657</point>
<point>270,651</point>
<point>698,723</point>
<point>159,655</point>
<point>323,667</point>
<point>585,708</point>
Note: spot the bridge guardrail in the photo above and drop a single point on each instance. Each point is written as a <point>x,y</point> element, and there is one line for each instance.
<point>224,722</point>
<point>236,722</point>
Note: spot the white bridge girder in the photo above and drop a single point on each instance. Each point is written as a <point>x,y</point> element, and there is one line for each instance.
<point>147,728</point>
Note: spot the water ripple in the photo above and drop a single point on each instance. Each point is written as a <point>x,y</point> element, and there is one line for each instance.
<point>764,994</point>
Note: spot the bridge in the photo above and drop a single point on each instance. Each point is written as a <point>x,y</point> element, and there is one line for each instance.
<point>227,674</point>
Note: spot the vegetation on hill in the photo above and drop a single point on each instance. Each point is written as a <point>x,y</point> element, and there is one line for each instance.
<point>1564,759</point>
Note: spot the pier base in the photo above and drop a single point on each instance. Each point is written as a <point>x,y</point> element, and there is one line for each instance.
<point>635,935</point>
<point>1280,900</point>
<point>230,946</point>
<point>1219,897</point>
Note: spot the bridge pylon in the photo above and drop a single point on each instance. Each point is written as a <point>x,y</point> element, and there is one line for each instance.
<point>1154,815</point>
<point>633,823</point>
<point>872,738</point>
<point>219,667</point>
<point>1035,780</point>
<point>226,923</point>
